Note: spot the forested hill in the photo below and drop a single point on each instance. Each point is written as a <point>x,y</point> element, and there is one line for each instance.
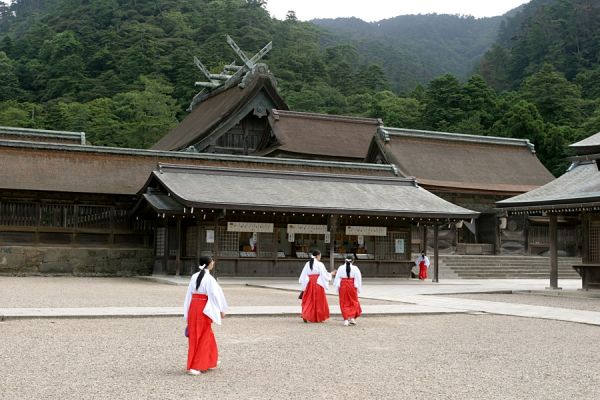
<point>122,70</point>
<point>413,49</point>
<point>562,33</point>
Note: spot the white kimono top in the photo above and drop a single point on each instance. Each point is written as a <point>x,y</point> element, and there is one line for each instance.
<point>318,269</point>
<point>354,273</point>
<point>216,299</point>
<point>420,258</point>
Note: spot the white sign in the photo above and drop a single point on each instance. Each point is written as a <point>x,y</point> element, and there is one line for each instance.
<point>327,237</point>
<point>303,228</point>
<point>249,227</point>
<point>361,240</point>
<point>366,230</point>
<point>210,236</point>
<point>400,246</point>
<point>291,237</point>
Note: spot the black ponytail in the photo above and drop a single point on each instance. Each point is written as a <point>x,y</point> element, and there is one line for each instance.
<point>348,264</point>
<point>203,261</point>
<point>315,253</point>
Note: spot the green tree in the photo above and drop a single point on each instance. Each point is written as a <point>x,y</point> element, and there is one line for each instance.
<point>557,100</point>
<point>9,83</point>
<point>443,102</point>
<point>397,111</point>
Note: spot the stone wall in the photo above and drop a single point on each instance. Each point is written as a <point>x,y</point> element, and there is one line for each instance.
<point>30,260</point>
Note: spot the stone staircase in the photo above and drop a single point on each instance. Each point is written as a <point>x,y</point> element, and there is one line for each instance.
<point>504,267</point>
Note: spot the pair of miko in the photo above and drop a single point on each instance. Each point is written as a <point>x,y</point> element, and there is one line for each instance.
<point>315,280</point>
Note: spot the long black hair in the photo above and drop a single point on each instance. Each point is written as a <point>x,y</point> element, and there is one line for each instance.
<point>315,253</point>
<point>349,260</point>
<point>204,260</point>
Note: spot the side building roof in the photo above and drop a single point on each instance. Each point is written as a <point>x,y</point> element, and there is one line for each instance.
<point>321,135</point>
<point>264,190</point>
<point>41,135</point>
<point>586,146</point>
<point>578,188</point>
<point>456,162</point>
<point>32,166</point>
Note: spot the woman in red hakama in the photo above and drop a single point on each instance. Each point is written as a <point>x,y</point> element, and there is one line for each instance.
<point>423,263</point>
<point>204,304</point>
<point>314,280</point>
<point>348,282</point>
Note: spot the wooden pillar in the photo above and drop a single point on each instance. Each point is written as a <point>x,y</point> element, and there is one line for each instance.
<point>216,246</point>
<point>199,239</point>
<point>178,253</point>
<point>166,249</point>
<point>435,253</point>
<point>585,238</point>
<point>333,222</point>
<point>424,239</point>
<point>553,252</point>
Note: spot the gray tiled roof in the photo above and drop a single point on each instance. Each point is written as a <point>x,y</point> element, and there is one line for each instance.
<point>304,192</point>
<point>581,184</point>
<point>591,141</point>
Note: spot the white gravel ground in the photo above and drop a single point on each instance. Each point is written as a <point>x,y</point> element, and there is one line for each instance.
<point>574,303</point>
<point>403,357</point>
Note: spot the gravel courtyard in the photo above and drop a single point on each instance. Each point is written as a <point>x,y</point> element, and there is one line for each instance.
<point>449,356</point>
<point>399,357</point>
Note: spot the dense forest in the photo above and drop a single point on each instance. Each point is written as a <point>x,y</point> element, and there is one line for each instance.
<point>122,70</point>
<point>414,49</point>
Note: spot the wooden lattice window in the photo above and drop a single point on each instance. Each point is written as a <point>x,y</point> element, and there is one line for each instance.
<point>159,242</point>
<point>229,242</point>
<point>18,214</point>
<point>266,245</point>
<point>191,241</point>
<point>594,242</point>
<point>94,217</point>
<point>386,246</point>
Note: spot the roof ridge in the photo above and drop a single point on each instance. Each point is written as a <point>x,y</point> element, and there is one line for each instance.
<point>167,167</point>
<point>463,137</point>
<point>313,115</point>
<point>207,156</point>
<point>42,132</point>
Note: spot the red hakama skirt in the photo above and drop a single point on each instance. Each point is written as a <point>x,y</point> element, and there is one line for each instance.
<point>349,304</point>
<point>202,351</point>
<point>422,270</point>
<point>314,302</point>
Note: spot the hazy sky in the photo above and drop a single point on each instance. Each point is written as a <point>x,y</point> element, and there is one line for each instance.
<point>375,10</point>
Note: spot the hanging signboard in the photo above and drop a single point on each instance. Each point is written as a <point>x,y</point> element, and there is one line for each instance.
<point>304,228</point>
<point>399,246</point>
<point>327,237</point>
<point>249,227</point>
<point>210,236</point>
<point>291,237</point>
<point>361,240</point>
<point>366,230</point>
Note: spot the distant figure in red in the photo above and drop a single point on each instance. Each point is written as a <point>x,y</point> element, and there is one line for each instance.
<point>423,263</point>
<point>348,282</point>
<point>314,280</point>
<point>204,304</point>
